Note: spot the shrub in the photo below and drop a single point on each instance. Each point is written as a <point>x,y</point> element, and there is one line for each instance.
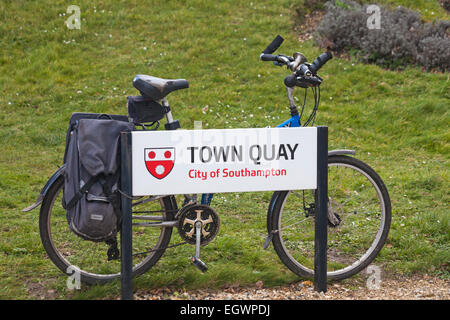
<point>445,4</point>
<point>401,39</point>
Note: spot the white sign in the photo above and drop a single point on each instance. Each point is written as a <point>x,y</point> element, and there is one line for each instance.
<point>227,160</point>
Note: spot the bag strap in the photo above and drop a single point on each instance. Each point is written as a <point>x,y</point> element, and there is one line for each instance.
<point>107,183</point>
<point>82,191</point>
<point>107,116</point>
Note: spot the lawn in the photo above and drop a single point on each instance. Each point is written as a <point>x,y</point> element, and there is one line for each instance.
<point>397,122</point>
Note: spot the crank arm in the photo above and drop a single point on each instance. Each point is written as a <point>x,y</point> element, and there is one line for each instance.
<point>196,259</point>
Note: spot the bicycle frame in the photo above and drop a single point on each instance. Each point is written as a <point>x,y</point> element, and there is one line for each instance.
<point>294,121</point>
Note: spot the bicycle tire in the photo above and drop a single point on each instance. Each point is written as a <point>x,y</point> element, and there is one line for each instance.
<point>299,260</point>
<point>61,244</point>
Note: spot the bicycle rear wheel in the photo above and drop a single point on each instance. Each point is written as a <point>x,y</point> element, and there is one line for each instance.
<point>69,252</point>
<point>359,216</point>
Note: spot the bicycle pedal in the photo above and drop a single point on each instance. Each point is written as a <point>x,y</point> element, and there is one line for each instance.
<point>199,264</point>
<point>113,252</point>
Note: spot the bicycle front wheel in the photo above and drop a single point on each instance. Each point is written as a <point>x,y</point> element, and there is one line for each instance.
<point>359,216</point>
<point>71,253</point>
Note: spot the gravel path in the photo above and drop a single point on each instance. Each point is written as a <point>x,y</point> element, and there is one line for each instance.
<point>404,288</point>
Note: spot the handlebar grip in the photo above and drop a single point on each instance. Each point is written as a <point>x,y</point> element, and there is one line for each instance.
<point>276,43</point>
<point>290,81</point>
<point>319,62</point>
<point>268,57</point>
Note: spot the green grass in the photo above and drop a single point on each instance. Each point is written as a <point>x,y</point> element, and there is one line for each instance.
<point>397,122</point>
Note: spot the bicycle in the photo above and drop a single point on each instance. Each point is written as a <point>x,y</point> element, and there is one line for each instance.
<point>359,208</point>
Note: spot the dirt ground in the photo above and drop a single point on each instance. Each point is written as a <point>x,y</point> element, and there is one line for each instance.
<point>422,287</point>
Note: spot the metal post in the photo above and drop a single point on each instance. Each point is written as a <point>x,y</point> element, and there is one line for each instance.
<point>321,222</point>
<point>126,231</point>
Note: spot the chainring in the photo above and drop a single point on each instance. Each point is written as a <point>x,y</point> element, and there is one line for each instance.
<point>192,213</point>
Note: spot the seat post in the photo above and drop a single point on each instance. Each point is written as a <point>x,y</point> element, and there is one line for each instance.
<point>166,106</point>
<point>171,124</point>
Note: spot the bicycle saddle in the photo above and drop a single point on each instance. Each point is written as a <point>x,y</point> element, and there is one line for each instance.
<point>157,88</point>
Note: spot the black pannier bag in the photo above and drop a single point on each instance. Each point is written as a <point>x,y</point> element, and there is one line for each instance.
<point>77,116</point>
<point>144,110</point>
<point>92,174</point>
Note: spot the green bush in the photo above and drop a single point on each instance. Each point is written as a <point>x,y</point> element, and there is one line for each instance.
<point>402,38</point>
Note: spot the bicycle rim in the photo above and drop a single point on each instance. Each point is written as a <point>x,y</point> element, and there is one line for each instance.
<point>358,221</point>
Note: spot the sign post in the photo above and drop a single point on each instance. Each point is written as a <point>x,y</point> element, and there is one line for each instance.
<point>126,238</point>
<point>219,161</point>
<point>321,223</point>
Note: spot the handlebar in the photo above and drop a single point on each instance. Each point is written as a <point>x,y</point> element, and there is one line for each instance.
<point>304,74</point>
<point>290,81</point>
<point>276,43</point>
<point>268,57</point>
<point>320,61</point>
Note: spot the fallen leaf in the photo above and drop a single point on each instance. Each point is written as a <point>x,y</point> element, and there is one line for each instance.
<point>307,283</point>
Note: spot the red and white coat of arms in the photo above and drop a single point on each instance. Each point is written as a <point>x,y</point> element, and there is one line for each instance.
<point>159,161</point>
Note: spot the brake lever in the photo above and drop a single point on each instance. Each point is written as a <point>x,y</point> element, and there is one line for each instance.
<point>306,82</point>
